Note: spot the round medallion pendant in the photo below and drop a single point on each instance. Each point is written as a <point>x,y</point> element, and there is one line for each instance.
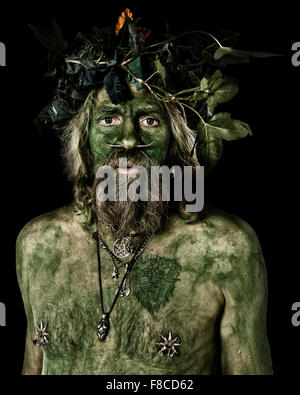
<point>123,247</point>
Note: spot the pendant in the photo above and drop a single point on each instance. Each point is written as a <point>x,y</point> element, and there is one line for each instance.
<point>103,327</point>
<point>115,273</point>
<point>123,247</point>
<point>124,291</point>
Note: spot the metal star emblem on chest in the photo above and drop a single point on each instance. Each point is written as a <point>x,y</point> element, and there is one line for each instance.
<point>169,345</point>
<point>41,335</point>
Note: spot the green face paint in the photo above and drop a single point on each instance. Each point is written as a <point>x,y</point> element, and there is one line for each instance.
<point>140,120</point>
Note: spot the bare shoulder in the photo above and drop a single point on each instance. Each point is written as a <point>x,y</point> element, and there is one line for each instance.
<point>46,225</point>
<point>41,241</point>
<point>219,243</point>
<point>215,227</point>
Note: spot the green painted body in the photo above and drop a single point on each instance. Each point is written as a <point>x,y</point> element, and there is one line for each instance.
<point>208,287</point>
<point>204,281</point>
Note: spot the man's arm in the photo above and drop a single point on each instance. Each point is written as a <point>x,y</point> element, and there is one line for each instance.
<point>244,343</point>
<point>33,358</point>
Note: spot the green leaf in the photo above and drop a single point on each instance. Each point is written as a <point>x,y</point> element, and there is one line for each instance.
<point>136,68</point>
<point>221,89</point>
<point>204,83</point>
<point>209,151</point>
<point>161,70</point>
<point>222,126</point>
<point>203,91</point>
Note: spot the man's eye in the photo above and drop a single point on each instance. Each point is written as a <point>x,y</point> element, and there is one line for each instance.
<point>110,121</point>
<point>149,121</point>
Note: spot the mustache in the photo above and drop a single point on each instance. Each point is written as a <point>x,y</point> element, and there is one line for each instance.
<point>137,146</point>
<point>133,157</point>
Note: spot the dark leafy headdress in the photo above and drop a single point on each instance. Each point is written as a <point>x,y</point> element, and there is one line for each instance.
<point>183,69</point>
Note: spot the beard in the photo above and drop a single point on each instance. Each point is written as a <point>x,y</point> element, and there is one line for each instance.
<point>120,217</point>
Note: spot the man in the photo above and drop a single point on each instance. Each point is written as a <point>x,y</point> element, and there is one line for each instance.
<point>188,295</point>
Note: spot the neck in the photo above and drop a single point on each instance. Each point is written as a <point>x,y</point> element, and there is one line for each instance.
<point>110,237</point>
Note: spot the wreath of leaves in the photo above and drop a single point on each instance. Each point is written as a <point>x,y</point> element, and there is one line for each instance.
<point>183,69</point>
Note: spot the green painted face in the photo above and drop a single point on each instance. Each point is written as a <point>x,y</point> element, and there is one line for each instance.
<point>140,120</point>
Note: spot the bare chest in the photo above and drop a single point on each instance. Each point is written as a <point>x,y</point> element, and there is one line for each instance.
<point>167,324</point>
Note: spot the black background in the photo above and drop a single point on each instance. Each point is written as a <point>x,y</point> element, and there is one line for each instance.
<point>256,179</point>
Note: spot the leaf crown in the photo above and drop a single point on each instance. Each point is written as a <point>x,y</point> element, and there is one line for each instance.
<point>182,69</point>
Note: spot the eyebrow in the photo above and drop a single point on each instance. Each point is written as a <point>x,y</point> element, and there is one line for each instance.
<point>108,109</point>
<point>112,109</point>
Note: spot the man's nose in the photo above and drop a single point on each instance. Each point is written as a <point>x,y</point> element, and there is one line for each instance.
<point>129,139</point>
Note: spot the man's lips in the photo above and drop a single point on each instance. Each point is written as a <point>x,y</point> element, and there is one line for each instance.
<point>131,170</point>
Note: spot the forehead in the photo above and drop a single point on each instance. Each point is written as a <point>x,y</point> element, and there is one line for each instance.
<point>141,98</point>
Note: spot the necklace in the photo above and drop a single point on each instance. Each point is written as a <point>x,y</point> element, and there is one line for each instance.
<point>104,324</point>
<point>115,259</point>
<point>123,247</point>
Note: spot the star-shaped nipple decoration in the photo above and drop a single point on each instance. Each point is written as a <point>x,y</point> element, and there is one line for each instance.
<point>168,345</point>
<point>41,335</point>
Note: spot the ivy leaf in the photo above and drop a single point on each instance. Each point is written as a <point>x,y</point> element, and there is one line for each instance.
<point>220,89</point>
<point>216,90</point>
<point>161,70</point>
<point>220,127</point>
<point>228,129</point>
<point>203,83</point>
<point>209,151</point>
